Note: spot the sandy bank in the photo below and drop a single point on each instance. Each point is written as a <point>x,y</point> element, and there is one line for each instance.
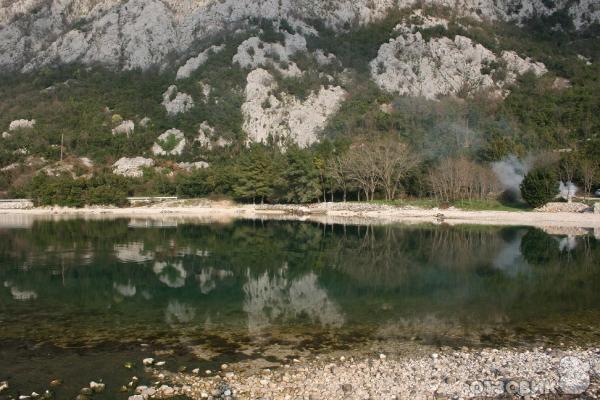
<point>349,213</point>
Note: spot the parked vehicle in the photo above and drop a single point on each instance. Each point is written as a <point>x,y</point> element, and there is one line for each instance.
<point>597,193</point>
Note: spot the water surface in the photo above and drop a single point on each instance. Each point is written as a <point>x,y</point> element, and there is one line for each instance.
<point>80,298</point>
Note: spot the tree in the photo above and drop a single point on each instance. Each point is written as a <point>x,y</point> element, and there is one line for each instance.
<point>301,176</point>
<point>362,168</point>
<point>392,161</point>
<point>340,174</point>
<point>257,174</point>
<point>462,179</point>
<point>589,171</point>
<point>539,187</point>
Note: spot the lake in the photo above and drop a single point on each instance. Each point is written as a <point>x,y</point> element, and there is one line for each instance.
<point>82,299</point>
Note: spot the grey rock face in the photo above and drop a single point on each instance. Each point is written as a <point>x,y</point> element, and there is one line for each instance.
<point>142,33</point>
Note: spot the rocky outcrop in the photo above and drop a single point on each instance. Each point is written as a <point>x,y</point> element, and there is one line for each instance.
<point>410,65</point>
<point>124,128</point>
<point>141,33</point>
<point>208,139</point>
<point>170,143</point>
<point>254,53</point>
<point>190,166</point>
<point>132,167</point>
<point>286,117</point>
<point>176,102</point>
<point>21,124</point>
<point>196,62</point>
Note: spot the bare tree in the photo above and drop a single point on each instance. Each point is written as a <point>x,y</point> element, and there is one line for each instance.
<point>393,160</point>
<point>362,168</point>
<point>462,179</point>
<point>589,171</point>
<point>339,172</point>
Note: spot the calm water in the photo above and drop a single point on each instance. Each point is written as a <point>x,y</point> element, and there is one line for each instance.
<point>78,299</point>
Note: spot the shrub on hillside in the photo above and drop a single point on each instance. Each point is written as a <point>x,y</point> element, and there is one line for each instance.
<point>539,187</point>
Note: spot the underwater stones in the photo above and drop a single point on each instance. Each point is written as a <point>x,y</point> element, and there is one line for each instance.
<point>136,397</point>
<point>97,387</point>
<point>148,361</point>
<point>86,391</point>
<point>3,386</point>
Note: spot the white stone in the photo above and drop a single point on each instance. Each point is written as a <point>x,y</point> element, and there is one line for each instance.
<point>145,122</point>
<point>176,102</point>
<point>6,135</point>
<point>574,375</point>
<point>132,167</point>
<point>97,387</point>
<point>193,165</point>
<point>177,150</point>
<point>289,119</point>
<point>21,124</point>
<point>148,361</point>
<point>125,127</point>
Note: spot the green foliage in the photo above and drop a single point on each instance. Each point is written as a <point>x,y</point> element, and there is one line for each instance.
<point>539,187</point>
<point>70,192</point>
<point>302,177</point>
<point>169,143</point>
<point>257,174</point>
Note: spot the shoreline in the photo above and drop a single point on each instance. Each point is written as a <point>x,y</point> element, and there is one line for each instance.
<point>449,373</point>
<point>327,213</point>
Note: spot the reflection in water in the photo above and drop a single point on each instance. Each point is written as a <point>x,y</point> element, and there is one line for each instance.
<point>510,259</point>
<point>132,252</point>
<point>171,274</point>
<point>258,276</point>
<point>251,288</point>
<point>270,298</point>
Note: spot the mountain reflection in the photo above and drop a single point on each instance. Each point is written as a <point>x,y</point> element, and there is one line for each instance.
<point>257,276</point>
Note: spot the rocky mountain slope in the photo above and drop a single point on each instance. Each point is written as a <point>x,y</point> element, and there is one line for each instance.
<point>177,84</point>
<point>141,33</point>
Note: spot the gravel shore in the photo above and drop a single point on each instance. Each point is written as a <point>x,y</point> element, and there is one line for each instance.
<point>537,373</point>
<point>328,213</point>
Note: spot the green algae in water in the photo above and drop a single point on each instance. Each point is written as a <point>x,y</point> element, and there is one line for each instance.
<point>81,298</point>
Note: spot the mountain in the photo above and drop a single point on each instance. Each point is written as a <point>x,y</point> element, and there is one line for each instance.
<point>178,85</point>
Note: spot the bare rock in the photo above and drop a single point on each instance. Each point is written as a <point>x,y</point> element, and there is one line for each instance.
<point>21,124</point>
<point>289,118</point>
<point>132,167</point>
<point>172,136</point>
<point>125,127</point>
<point>176,102</point>
<point>194,63</point>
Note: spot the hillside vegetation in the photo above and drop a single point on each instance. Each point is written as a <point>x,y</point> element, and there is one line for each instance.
<point>372,144</point>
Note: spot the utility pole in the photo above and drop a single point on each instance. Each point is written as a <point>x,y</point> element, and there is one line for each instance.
<point>62,140</point>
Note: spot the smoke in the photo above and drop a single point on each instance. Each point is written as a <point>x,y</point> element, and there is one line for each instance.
<point>568,190</point>
<point>510,172</point>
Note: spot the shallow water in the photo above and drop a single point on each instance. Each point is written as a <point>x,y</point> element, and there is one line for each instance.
<point>80,298</point>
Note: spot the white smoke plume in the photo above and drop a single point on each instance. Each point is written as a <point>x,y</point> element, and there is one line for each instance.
<point>568,190</point>
<point>510,172</point>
